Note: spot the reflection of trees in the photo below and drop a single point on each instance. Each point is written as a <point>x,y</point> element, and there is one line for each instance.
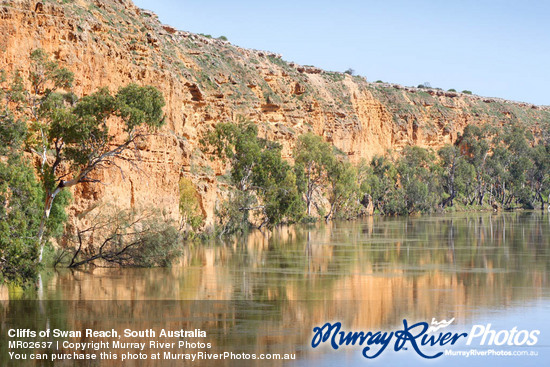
<point>367,274</point>
<point>507,249</point>
<point>34,315</point>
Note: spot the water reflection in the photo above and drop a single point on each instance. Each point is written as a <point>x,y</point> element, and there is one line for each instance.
<point>368,274</point>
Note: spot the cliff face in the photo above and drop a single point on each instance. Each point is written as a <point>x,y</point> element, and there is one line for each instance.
<point>205,81</point>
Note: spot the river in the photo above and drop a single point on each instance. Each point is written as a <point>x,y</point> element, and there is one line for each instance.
<point>265,293</point>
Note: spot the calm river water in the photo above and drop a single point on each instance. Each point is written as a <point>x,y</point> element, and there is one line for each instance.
<point>266,293</point>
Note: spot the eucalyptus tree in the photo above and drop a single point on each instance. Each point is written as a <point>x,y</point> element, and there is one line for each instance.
<point>450,159</point>
<point>262,181</point>
<point>70,137</point>
<point>342,185</point>
<point>475,146</point>
<point>380,180</point>
<point>419,179</point>
<point>313,157</point>
<point>20,203</point>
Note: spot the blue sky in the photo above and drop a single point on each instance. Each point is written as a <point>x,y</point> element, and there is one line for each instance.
<point>493,48</point>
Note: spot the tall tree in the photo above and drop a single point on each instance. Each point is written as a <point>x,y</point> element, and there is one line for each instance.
<point>475,146</point>
<point>258,173</point>
<point>418,179</point>
<point>450,160</point>
<point>70,137</point>
<point>20,202</point>
<point>538,175</point>
<point>313,157</point>
<point>79,139</point>
<point>380,180</point>
<point>342,184</point>
<point>21,195</point>
<point>509,164</point>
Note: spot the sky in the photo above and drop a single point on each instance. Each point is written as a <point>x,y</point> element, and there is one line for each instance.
<point>493,48</point>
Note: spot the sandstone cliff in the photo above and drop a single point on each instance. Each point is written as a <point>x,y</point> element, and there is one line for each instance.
<point>205,81</point>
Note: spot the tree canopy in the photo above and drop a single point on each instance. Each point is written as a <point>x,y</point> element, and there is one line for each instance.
<point>264,183</point>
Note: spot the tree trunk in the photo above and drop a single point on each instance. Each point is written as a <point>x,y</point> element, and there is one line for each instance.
<point>480,186</point>
<point>50,197</point>
<point>309,193</point>
<point>481,196</point>
<point>45,215</point>
<point>452,185</point>
<point>331,212</point>
<point>309,199</point>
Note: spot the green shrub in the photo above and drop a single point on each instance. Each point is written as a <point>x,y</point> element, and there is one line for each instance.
<point>232,219</point>
<point>189,204</point>
<point>20,213</point>
<point>127,239</point>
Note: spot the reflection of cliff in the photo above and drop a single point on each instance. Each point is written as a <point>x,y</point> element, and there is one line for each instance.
<point>275,287</point>
<point>378,259</point>
<point>205,81</point>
